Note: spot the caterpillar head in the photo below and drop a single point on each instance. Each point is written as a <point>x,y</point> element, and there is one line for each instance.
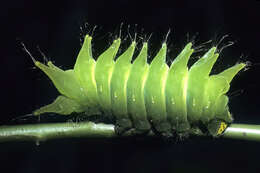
<point>214,108</point>
<point>203,94</point>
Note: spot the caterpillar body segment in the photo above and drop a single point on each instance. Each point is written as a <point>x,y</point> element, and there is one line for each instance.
<point>142,97</point>
<point>221,102</point>
<point>216,86</point>
<point>154,92</point>
<point>85,72</point>
<point>197,81</point>
<point>118,90</point>
<point>176,89</point>
<point>103,74</point>
<point>135,92</point>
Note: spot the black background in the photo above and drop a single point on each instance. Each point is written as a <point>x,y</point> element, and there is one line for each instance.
<point>54,26</point>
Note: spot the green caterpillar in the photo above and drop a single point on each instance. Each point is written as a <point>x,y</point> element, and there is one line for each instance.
<point>145,97</point>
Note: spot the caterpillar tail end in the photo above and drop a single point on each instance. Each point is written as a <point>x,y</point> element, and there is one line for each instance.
<point>61,105</point>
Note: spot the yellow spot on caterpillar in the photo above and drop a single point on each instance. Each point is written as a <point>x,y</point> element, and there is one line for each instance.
<point>222,128</point>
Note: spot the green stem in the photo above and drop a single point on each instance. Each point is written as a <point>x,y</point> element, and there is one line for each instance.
<point>43,132</point>
<point>243,132</point>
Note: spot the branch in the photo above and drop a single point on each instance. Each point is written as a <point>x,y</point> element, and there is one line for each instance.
<point>243,132</point>
<point>43,132</point>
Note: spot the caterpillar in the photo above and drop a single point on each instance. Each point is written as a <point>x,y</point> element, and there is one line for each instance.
<point>142,97</point>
